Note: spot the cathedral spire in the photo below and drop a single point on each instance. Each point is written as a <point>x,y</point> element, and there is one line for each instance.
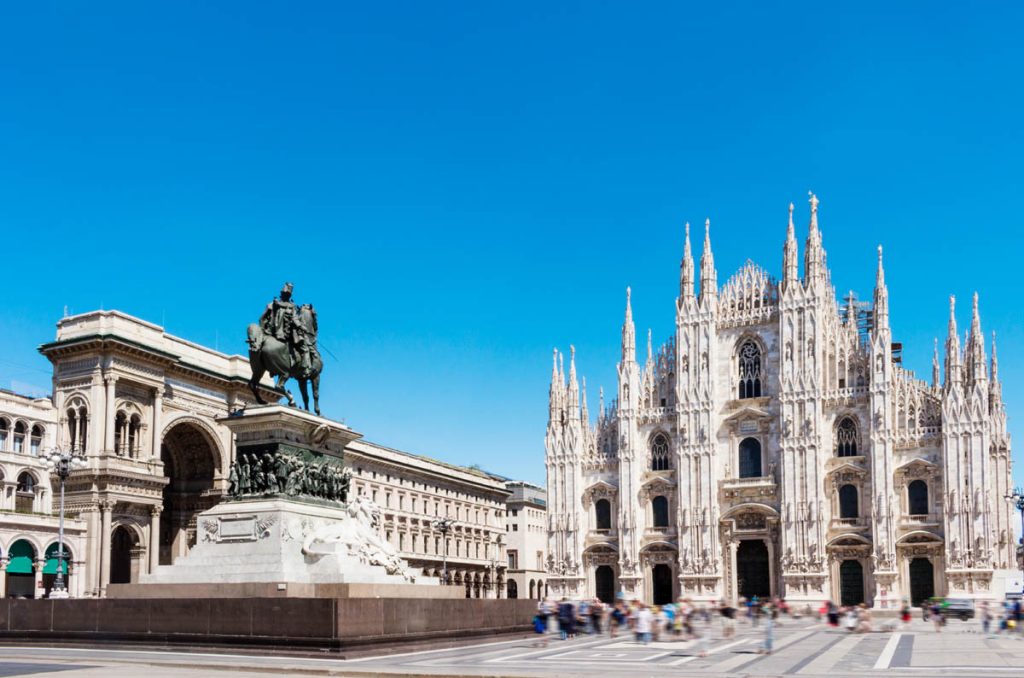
<point>628,332</point>
<point>650,351</point>
<point>572,401</point>
<point>584,412</point>
<point>953,374</point>
<point>600,402</point>
<point>976,347</point>
<point>555,391</point>
<point>881,296</point>
<point>995,389</point>
<point>686,268</point>
<point>935,364</point>
<point>813,255</point>
<point>789,255</point>
<point>708,276</point>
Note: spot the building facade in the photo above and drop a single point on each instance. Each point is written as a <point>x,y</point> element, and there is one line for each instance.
<point>143,406</point>
<point>527,530</point>
<point>775,446</point>
<point>28,522</point>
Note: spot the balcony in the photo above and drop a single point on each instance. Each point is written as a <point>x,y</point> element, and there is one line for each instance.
<point>762,487</point>
<point>919,521</point>
<point>841,525</point>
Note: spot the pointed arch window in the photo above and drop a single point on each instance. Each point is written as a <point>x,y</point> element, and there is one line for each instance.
<point>917,498</point>
<point>659,453</point>
<point>750,373</point>
<point>603,514</point>
<point>659,511</point>
<point>846,438</point>
<point>848,502</point>
<point>750,458</point>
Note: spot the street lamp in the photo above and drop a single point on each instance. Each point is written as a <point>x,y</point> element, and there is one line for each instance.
<point>61,463</point>
<point>444,525</point>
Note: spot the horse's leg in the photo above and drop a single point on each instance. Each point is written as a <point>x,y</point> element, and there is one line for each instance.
<point>257,374</point>
<point>282,379</point>
<point>305,394</point>
<point>316,393</point>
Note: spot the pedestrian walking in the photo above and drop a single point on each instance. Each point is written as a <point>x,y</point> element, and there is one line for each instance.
<point>769,630</point>
<point>728,619</point>
<point>905,615</point>
<point>644,622</point>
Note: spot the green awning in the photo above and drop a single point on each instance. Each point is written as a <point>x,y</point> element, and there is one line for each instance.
<point>21,556</point>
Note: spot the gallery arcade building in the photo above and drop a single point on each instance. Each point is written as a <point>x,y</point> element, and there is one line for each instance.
<point>142,405</point>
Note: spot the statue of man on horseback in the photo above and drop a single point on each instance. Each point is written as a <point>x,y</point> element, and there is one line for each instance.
<point>283,343</point>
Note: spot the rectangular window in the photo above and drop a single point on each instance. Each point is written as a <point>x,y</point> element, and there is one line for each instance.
<point>515,527</point>
<point>513,560</point>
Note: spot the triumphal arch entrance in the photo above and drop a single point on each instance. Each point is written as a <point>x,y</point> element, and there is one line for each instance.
<point>142,405</point>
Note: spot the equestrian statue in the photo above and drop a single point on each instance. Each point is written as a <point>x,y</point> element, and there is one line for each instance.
<point>283,343</point>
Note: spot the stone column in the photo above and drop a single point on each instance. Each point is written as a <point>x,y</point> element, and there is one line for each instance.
<point>107,508</point>
<point>109,414</point>
<point>734,593</point>
<point>37,570</point>
<point>158,403</point>
<point>154,537</point>
<point>3,577</point>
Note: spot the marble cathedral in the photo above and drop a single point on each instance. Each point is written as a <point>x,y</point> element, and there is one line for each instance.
<point>775,445</point>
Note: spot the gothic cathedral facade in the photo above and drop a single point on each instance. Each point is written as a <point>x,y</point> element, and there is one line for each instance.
<point>775,446</point>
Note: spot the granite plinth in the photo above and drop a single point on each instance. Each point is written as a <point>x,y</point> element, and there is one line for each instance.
<point>323,623</point>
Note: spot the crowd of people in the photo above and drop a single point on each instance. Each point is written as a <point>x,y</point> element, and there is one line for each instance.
<point>682,620</point>
<point>686,620</point>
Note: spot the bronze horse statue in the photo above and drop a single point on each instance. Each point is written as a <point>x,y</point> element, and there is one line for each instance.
<point>269,354</point>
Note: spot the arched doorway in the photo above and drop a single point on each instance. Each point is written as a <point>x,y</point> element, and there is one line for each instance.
<point>753,571</point>
<point>21,581</point>
<point>190,462</point>
<point>661,584</point>
<point>604,584</point>
<point>122,542</point>
<point>851,582</point>
<point>512,589</point>
<point>922,581</point>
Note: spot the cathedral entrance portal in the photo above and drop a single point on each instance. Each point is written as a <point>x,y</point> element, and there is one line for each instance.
<point>604,583</point>
<point>661,584</point>
<point>851,582</point>
<point>190,462</point>
<point>922,581</point>
<point>753,571</point>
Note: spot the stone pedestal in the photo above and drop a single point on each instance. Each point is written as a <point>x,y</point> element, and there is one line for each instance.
<point>287,525</point>
<point>273,541</point>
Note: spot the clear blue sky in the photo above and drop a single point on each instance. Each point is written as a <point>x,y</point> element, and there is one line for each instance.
<point>460,187</point>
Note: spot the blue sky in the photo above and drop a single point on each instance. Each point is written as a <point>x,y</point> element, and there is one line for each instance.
<point>459,187</point>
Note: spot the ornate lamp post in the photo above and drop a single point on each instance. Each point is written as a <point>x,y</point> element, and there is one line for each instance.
<point>61,463</point>
<point>444,525</point>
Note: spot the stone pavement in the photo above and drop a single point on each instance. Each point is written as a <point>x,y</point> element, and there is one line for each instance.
<point>802,648</point>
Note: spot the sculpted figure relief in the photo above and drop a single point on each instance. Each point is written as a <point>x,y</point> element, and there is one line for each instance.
<point>279,473</point>
<point>283,343</point>
<point>358,535</point>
